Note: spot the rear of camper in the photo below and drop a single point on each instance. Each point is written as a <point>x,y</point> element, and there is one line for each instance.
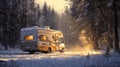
<point>34,39</point>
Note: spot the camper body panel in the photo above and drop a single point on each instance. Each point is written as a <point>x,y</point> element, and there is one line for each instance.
<point>29,45</point>
<point>47,44</point>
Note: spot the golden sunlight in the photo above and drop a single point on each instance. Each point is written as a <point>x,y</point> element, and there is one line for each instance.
<point>58,5</point>
<point>84,51</point>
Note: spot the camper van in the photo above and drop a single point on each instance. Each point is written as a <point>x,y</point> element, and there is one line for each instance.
<point>33,39</point>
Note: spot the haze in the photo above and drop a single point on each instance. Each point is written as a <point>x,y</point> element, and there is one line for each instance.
<point>58,5</point>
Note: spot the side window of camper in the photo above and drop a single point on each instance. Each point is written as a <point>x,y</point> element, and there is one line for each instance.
<point>42,37</point>
<point>29,37</point>
<point>55,38</point>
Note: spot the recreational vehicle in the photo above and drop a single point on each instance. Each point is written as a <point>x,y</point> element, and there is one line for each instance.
<point>33,39</point>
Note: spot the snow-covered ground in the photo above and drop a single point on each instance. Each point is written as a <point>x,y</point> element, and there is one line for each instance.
<point>17,58</point>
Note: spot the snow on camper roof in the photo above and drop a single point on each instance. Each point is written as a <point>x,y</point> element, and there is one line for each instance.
<point>36,28</point>
<point>31,28</point>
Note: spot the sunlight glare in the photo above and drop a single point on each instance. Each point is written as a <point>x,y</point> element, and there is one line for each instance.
<point>58,5</point>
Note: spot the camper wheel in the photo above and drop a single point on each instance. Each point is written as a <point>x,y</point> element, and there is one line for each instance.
<point>62,50</point>
<point>49,50</point>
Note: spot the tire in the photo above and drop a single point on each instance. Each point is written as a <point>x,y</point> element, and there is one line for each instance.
<point>62,50</point>
<point>31,52</point>
<point>49,50</point>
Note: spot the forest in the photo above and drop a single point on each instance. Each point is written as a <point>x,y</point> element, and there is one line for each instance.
<point>85,22</point>
<point>93,23</point>
<point>17,14</point>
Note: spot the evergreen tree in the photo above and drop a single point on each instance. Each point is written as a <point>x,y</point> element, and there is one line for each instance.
<point>15,14</point>
<point>45,15</point>
<point>49,16</point>
<point>38,15</point>
<point>96,17</point>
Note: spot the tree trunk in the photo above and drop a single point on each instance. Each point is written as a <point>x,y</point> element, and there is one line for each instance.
<point>116,36</point>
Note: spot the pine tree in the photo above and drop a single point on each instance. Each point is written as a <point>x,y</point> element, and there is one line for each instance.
<point>97,17</point>
<point>49,17</point>
<point>15,14</point>
<point>45,15</point>
<point>37,15</point>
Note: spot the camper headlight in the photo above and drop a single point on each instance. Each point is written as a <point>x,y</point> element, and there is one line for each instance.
<point>29,37</point>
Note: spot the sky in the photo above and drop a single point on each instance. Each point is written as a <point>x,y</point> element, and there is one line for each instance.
<point>58,5</point>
